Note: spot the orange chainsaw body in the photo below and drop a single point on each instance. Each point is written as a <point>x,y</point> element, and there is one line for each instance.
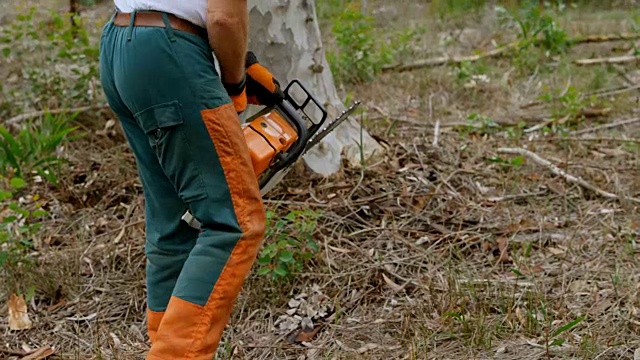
<point>268,136</point>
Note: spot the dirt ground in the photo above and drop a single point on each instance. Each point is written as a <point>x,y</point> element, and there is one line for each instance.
<point>502,222</point>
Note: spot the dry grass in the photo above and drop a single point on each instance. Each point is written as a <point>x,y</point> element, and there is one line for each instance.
<point>445,251</point>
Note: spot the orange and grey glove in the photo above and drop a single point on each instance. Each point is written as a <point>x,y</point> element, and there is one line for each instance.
<point>238,94</point>
<point>262,87</point>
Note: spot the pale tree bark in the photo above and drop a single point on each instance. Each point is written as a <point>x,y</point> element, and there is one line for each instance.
<point>285,36</point>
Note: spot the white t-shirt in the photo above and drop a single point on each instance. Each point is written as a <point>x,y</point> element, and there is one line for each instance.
<point>193,11</point>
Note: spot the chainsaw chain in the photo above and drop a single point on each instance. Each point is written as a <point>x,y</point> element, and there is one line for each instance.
<point>331,126</point>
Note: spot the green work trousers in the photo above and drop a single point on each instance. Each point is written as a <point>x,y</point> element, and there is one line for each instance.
<point>191,155</point>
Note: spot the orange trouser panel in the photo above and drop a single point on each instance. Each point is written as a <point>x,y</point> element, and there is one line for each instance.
<point>153,323</point>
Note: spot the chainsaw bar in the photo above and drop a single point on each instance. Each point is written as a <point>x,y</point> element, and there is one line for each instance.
<point>326,130</point>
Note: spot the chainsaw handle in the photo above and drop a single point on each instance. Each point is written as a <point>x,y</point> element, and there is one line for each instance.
<point>297,106</point>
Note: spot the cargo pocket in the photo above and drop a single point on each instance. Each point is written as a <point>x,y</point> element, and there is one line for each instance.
<point>163,125</point>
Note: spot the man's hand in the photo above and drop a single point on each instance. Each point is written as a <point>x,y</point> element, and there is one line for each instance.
<point>262,87</point>
<point>227,26</point>
<point>238,94</point>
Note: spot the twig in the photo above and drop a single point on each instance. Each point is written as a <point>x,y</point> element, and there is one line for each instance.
<point>436,133</point>
<point>20,118</point>
<point>556,170</point>
<point>514,197</point>
<point>609,60</point>
<point>12,352</point>
<point>546,123</point>
<point>606,126</point>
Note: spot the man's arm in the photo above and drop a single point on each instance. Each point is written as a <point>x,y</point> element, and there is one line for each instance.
<point>227,25</point>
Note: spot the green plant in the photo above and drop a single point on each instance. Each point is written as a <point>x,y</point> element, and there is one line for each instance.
<point>536,26</point>
<point>359,56</point>
<point>291,243</point>
<point>480,125</point>
<point>35,147</point>
<point>58,62</point>
<point>19,223</point>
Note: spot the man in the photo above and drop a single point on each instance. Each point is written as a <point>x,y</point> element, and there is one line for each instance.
<point>180,117</point>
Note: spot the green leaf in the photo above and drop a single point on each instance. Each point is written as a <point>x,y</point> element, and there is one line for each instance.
<point>270,249</point>
<point>517,272</point>
<point>39,213</point>
<point>517,161</point>
<point>264,271</point>
<point>313,246</point>
<point>264,260</point>
<point>280,271</point>
<point>282,244</point>
<point>9,219</point>
<point>18,183</point>
<point>4,195</point>
<point>569,326</point>
<point>557,342</point>
<point>286,256</point>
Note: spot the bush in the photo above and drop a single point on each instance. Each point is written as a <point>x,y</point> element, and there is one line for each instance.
<point>359,57</point>
<point>291,246</point>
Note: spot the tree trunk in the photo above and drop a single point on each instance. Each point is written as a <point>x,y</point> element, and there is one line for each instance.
<point>285,36</point>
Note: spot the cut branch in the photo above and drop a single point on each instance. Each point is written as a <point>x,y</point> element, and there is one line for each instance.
<point>559,172</point>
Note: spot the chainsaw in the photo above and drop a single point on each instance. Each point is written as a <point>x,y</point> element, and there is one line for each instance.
<point>277,136</point>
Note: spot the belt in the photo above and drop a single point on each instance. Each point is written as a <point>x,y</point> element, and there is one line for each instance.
<point>154,19</point>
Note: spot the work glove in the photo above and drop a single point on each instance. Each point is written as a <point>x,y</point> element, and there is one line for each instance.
<point>262,87</point>
<point>238,94</point>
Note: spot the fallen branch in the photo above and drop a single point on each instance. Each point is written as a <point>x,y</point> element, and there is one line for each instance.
<point>587,113</point>
<point>557,171</point>
<point>448,60</point>
<point>606,126</point>
<point>604,38</point>
<point>20,118</point>
<point>582,139</point>
<point>597,93</point>
<point>609,60</point>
